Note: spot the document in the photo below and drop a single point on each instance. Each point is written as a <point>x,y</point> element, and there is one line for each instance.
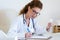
<point>41,36</point>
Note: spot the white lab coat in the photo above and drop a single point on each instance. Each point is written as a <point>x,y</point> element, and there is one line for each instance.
<point>18,27</point>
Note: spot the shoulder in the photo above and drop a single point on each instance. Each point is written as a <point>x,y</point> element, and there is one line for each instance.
<point>19,18</point>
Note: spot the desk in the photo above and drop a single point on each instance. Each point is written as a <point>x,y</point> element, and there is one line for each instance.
<point>55,36</point>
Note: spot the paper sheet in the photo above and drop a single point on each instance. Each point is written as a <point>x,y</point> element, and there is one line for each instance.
<point>41,36</point>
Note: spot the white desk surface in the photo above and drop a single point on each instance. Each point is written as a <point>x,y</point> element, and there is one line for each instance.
<point>55,36</point>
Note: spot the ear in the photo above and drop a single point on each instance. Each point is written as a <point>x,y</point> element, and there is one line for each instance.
<point>29,8</point>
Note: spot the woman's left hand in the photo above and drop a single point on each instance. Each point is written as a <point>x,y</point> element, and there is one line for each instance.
<point>48,27</point>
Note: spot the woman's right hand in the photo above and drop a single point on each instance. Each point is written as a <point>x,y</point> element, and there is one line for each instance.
<point>27,35</point>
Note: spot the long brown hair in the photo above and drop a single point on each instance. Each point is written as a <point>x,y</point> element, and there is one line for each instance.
<point>32,4</point>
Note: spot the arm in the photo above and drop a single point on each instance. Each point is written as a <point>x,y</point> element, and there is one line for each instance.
<point>12,32</point>
<point>39,28</point>
<point>13,29</point>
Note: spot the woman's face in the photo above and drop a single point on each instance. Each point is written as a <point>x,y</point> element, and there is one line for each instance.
<point>34,12</point>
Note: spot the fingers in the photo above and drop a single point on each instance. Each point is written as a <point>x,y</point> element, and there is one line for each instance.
<point>27,35</point>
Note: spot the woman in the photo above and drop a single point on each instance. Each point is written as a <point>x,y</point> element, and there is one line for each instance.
<point>26,23</point>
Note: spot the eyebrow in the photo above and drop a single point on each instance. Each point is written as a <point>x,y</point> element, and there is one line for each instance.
<point>35,12</point>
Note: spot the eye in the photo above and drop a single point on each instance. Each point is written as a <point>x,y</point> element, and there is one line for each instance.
<point>36,12</point>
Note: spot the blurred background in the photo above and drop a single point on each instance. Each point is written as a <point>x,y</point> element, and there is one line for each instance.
<point>9,10</point>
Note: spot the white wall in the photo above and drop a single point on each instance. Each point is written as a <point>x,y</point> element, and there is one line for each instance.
<point>51,9</point>
<point>13,4</point>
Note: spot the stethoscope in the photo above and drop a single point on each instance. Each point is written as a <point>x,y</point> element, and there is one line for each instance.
<point>32,22</point>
